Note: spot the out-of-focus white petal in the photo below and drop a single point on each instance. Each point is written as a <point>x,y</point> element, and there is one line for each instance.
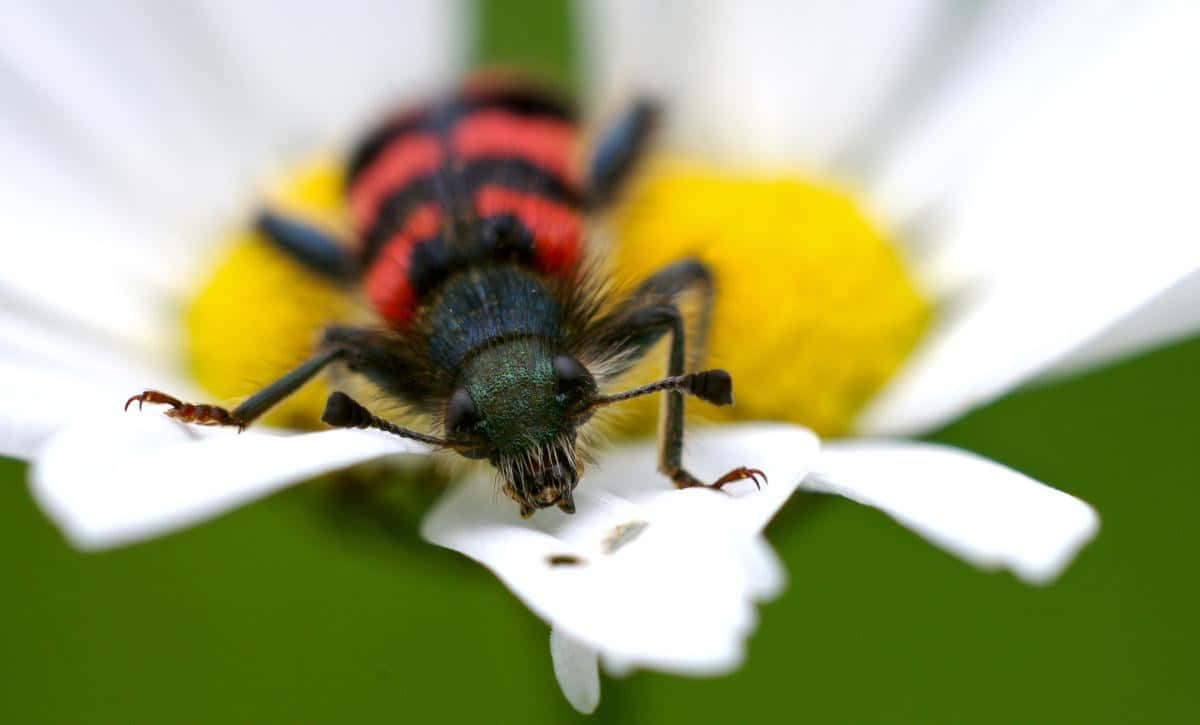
<point>1172,315</point>
<point>130,135</point>
<point>50,345</point>
<point>1086,216</point>
<point>52,372</point>
<point>330,65</point>
<point>114,479</point>
<point>36,401</point>
<point>84,271</point>
<point>624,573</point>
<point>1011,61</point>
<point>577,669</point>
<point>182,107</point>
<point>76,251</point>
<point>757,81</point>
<point>974,508</point>
<point>112,92</point>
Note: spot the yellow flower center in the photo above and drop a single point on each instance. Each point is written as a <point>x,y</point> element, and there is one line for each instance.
<point>814,308</point>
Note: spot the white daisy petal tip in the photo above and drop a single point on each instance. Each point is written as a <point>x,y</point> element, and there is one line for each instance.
<point>987,514</point>
<point>623,575</point>
<point>577,669</point>
<point>113,480</point>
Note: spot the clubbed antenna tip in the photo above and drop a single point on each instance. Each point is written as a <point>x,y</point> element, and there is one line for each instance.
<point>342,411</point>
<point>714,386</point>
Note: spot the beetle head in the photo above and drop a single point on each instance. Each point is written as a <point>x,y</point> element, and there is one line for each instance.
<point>518,405</point>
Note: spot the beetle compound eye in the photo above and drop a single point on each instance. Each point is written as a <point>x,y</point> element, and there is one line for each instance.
<point>571,375</point>
<point>461,414</point>
<point>575,383</point>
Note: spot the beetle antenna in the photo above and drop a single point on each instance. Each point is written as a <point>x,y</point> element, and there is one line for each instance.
<point>342,411</point>
<point>713,386</point>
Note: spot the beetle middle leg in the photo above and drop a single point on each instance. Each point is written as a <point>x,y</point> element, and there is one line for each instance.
<point>649,313</point>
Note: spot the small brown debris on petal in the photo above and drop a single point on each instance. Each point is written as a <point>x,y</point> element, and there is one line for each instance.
<point>622,535</point>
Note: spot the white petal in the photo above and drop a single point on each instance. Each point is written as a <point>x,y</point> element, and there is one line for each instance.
<point>114,479</point>
<point>1007,62</point>
<point>178,107</point>
<point>1084,216</point>
<point>95,267</point>
<point>635,601</point>
<point>318,69</point>
<point>51,373</point>
<point>45,347</point>
<point>1172,315</point>
<point>577,669</point>
<point>132,135</point>
<point>761,81</point>
<point>979,510</point>
<point>35,402</point>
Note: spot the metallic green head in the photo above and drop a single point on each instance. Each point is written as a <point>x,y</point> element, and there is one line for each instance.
<point>520,402</point>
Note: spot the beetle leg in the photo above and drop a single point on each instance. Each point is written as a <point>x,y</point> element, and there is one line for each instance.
<point>200,414</point>
<point>253,407</point>
<point>371,353</point>
<point>648,314</point>
<point>309,246</point>
<point>618,150</point>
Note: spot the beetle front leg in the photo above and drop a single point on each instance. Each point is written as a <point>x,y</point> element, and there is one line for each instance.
<point>650,313</point>
<point>252,408</point>
<point>198,413</point>
<point>367,352</point>
<point>670,452</point>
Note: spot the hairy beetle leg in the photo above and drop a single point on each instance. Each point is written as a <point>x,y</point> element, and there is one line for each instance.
<point>683,479</point>
<point>200,414</point>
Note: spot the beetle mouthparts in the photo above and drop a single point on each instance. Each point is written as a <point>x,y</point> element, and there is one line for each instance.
<point>566,502</point>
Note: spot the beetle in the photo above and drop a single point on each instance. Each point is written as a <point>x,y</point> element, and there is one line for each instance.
<point>467,214</point>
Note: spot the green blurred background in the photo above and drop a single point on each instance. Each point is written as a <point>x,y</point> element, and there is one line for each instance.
<point>308,607</point>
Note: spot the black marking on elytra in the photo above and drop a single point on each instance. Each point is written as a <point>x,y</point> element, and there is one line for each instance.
<point>501,238</point>
<point>510,173</point>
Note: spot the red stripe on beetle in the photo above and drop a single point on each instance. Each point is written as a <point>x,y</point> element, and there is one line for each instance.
<point>402,161</point>
<point>543,142</point>
<point>387,284</point>
<point>557,241</point>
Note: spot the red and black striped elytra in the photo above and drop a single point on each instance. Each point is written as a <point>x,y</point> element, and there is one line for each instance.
<point>467,216</point>
<point>486,176</point>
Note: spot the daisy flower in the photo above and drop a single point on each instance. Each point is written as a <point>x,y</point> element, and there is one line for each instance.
<point>641,576</point>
